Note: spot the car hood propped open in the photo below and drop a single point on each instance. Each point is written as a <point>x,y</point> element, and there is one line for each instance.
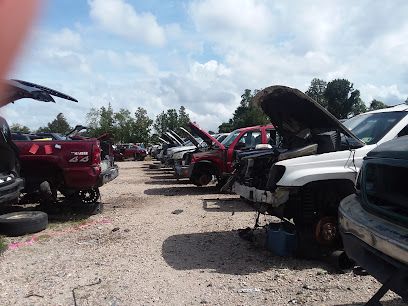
<point>15,89</point>
<point>190,137</point>
<point>209,140</point>
<point>292,112</point>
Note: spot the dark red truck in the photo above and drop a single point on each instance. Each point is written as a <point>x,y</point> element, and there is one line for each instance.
<point>76,168</point>
<point>129,150</point>
<point>73,165</point>
<point>201,167</point>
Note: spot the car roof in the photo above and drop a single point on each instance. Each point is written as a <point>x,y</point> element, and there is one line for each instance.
<point>397,108</point>
<point>254,127</point>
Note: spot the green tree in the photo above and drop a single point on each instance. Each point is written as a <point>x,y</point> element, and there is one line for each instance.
<point>160,124</point>
<point>226,127</point>
<point>341,98</point>
<point>170,120</point>
<point>358,108</point>
<point>123,126</point>
<point>107,120</point>
<point>19,128</point>
<point>183,118</point>
<point>376,104</point>
<point>58,125</point>
<point>142,126</point>
<point>246,114</point>
<point>316,91</point>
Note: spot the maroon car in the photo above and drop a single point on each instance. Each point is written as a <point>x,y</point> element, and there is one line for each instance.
<point>126,151</point>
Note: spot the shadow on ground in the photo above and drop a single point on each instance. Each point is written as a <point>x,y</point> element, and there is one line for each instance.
<point>168,182</point>
<point>393,302</point>
<point>181,191</point>
<point>226,205</point>
<point>226,253</point>
<point>167,176</point>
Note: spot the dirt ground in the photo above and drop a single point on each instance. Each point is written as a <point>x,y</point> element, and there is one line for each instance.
<point>165,242</point>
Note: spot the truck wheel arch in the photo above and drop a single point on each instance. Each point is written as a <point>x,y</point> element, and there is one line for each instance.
<point>201,167</point>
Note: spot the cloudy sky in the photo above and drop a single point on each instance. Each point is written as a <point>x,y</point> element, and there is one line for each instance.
<point>203,53</point>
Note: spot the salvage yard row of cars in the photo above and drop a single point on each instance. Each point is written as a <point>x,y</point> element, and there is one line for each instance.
<point>338,184</point>
<point>303,167</point>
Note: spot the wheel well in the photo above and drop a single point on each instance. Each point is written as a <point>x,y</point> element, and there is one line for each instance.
<point>320,198</point>
<point>205,165</point>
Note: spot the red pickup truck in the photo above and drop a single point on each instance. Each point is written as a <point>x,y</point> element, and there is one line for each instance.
<point>73,165</point>
<point>201,167</point>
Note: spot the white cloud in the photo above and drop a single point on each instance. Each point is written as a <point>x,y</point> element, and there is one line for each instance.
<point>206,62</point>
<point>120,18</point>
<point>66,38</point>
<point>392,94</point>
<point>242,18</point>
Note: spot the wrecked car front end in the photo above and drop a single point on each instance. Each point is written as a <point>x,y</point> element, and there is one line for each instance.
<point>374,221</point>
<point>278,180</point>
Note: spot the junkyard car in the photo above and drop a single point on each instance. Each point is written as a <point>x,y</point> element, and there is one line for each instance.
<point>217,161</point>
<point>74,165</point>
<point>314,164</point>
<point>124,151</point>
<point>374,221</point>
<point>11,184</point>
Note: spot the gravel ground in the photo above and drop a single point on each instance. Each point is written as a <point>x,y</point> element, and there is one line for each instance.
<point>160,241</point>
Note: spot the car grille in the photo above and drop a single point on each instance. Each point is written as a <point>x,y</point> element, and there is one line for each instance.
<point>384,190</point>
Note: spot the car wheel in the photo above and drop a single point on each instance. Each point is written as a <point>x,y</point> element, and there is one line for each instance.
<point>24,222</point>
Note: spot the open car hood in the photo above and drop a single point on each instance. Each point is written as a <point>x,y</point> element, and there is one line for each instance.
<point>179,139</point>
<point>209,140</point>
<point>168,139</point>
<point>16,89</point>
<point>174,139</point>
<point>190,137</point>
<point>292,112</point>
<point>164,141</point>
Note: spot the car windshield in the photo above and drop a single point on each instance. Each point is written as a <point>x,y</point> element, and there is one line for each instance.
<point>370,128</point>
<point>230,138</point>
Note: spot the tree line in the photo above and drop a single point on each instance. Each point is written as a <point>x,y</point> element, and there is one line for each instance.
<point>337,96</point>
<point>123,126</point>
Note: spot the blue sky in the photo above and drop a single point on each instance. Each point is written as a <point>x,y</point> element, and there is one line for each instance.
<point>203,53</point>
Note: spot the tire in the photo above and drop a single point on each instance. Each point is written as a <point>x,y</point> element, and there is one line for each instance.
<point>21,223</point>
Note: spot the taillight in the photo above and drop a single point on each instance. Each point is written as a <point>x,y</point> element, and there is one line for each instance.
<point>96,154</point>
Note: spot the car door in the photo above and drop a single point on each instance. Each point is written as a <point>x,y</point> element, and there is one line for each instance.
<point>245,141</point>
